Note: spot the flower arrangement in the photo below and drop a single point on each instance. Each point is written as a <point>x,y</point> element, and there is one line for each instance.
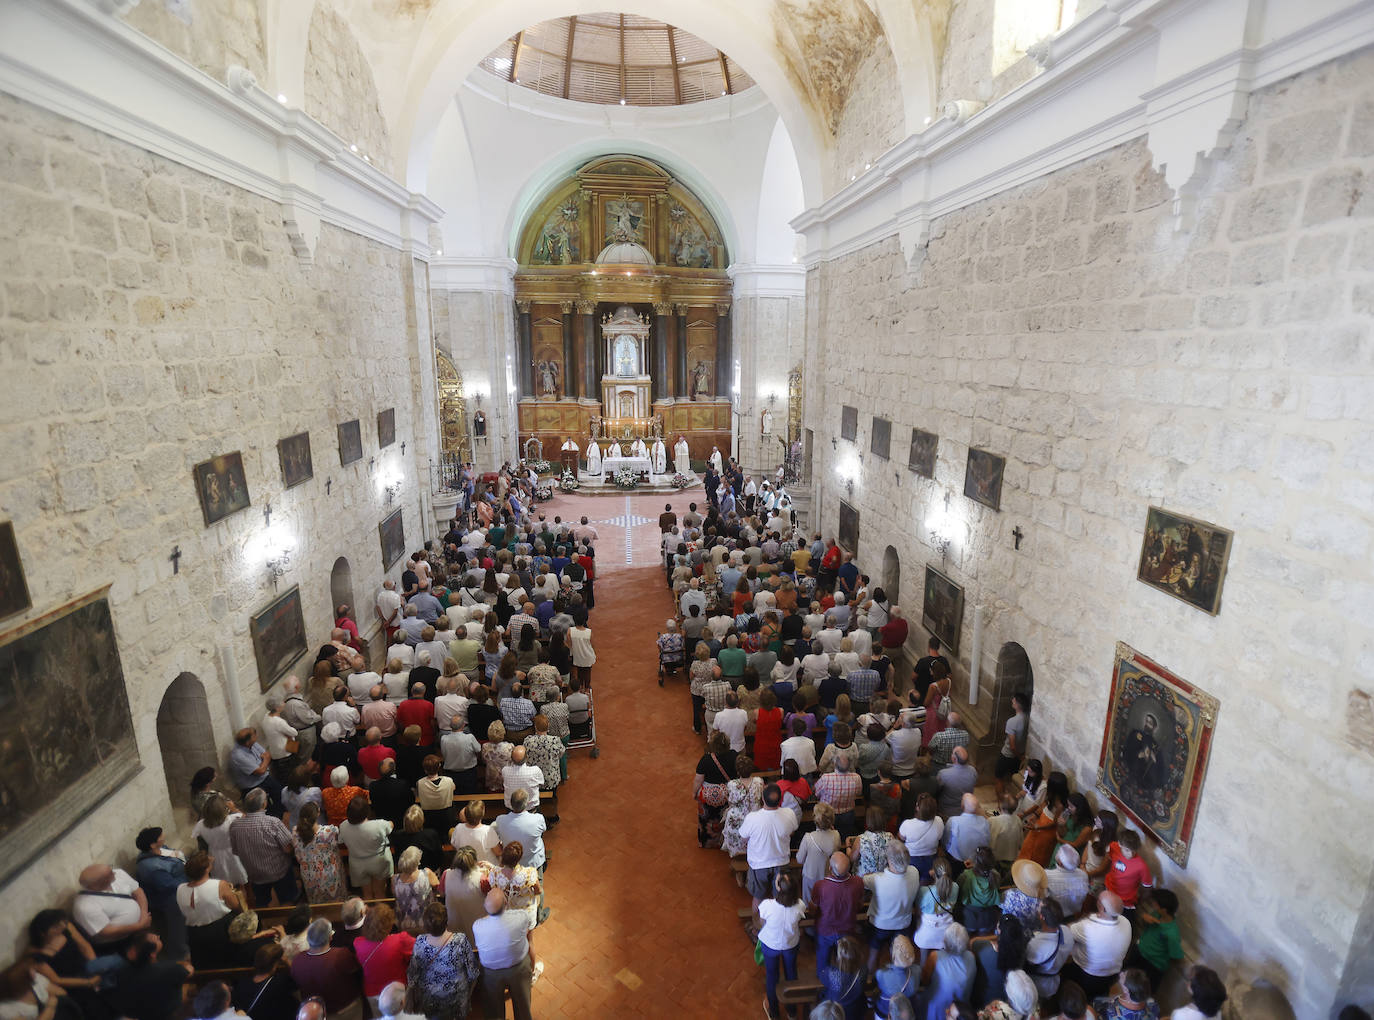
<point>540,466</point>
<point>626,479</point>
<point>543,493</point>
<point>681,481</point>
<point>567,483</point>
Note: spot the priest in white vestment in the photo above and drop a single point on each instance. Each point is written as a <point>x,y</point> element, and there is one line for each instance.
<point>638,449</point>
<point>594,458</point>
<point>659,457</point>
<point>715,459</point>
<point>614,450</point>
<point>682,459</point>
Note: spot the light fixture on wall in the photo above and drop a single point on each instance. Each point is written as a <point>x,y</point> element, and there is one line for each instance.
<point>772,399</point>
<point>371,463</point>
<point>278,562</point>
<point>940,529</point>
<point>849,486</point>
<point>392,490</point>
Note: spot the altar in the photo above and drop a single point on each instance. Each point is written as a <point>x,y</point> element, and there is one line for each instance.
<point>639,465</point>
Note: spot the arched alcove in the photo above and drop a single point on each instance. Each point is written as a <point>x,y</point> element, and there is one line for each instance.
<point>1014,674</point>
<point>184,735</point>
<point>892,574</point>
<point>341,587</point>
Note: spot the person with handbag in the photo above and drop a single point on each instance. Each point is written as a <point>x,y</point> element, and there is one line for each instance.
<point>710,789</point>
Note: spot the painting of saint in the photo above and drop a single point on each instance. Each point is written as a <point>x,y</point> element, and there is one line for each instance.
<point>559,238</point>
<point>701,381</point>
<point>1185,558</point>
<point>221,485</point>
<point>294,454</point>
<point>942,611</point>
<point>350,442</point>
<point>14,589</point>
<point>624,216</point>
<point>983,478</point>
<point>921,456</point>
<point>386,427</point>
<point>278,634</point>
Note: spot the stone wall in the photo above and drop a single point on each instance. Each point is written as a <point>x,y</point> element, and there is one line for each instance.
<point>154,318</point>
<point>476,329</point>
<point>1224,372</point>
<point>211,34</point>
<point>872,120</point>
<point>769,339</point>
<point>340,91</point>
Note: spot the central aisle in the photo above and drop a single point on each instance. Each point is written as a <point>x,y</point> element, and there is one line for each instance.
<point>643,920</point>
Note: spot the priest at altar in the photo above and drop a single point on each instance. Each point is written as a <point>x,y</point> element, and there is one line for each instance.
<point>594,458</point>
<point>715,459</point>
<point>659,457</point>
<point>682,459</point>
<point>615,450</point>
<point>638,449</point>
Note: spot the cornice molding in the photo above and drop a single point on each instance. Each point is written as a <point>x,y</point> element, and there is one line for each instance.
<point>78,60</point>
<point>1176,72</point>
<point>761,280</point>
<point>489,275</point>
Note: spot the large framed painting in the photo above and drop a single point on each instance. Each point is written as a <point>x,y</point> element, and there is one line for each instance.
<point>1155,749</point>
<point>392,532</point>
<point>983,478</point>
<point>294,454</point>
<point>386,427</point>
<point>849,528</point>
<point>921,457</point>
<point>1185,558</point>
<point>69,733</point>
<point>880,441</point>
<point>14,589</point>
<point>849,423</point>
<point>278,636</point>
<point>942,611</point>
<point>221,486</point>
<point>350,442</point>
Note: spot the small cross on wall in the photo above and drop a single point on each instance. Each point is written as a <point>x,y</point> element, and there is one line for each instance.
<point>267,514</point>
<point>175,558</point>
<point>1017,534</point>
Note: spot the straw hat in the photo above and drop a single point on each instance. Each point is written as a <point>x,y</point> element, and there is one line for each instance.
<point>1029,878</point>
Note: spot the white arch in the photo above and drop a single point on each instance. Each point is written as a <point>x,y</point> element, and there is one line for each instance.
<point>912,31</point>
<point>459,34</point>
<point>780,201</point>
<point>286,39</point>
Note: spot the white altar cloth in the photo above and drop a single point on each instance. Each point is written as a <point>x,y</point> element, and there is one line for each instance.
<point>610,465</point>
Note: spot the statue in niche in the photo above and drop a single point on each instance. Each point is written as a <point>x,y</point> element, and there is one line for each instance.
<point>625,355</point>
<point>596,426</point>
<point>701,381</point>
<point>479,425</point>
<point>767,422</point>
<point>548,378</point>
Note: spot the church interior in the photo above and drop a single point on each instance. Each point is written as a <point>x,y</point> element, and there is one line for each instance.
<point>1056,315</point>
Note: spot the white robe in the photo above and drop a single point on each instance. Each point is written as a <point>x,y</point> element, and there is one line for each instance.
<point>594,458</point>
<point>615,451</point>
<point>639,449</point>
<point>716,460</point>
<point>659,457</point>
<point>682,459</point>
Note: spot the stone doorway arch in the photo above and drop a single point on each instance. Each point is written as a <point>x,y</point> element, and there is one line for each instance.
<point>892,575</point>
<point>1014,674</point>
<point>341,589</point>
<point>185,736</point>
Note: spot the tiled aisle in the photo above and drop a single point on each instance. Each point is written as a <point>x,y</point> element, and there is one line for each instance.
<point>643,921</point>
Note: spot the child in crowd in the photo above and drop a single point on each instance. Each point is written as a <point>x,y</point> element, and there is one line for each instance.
<point>1127,872</point>
<point>1158,945</point>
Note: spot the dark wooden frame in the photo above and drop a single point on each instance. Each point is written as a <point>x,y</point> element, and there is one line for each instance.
<point>981,462</point>
<point>1171,577</point>
<point>926,446</point>
<point>226,466</point>
<point>350,441</point>
<point>290,479</point>
<point>938,584</point>
<point>393,542</point>
<point>880,438</point>
<point>847,534</point>
<point>1168,812</point>
<point>386,428</point>
<point>283,618</point>
<point>849,423</point>
<point>14,587</point>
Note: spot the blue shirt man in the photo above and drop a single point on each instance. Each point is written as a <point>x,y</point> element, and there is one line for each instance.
<point>427,607</point>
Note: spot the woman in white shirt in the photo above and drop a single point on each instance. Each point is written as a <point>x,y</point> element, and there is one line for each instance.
<point>583,657</point>
<point>471,831</point>
<point>213,828</point>
<point>779,925</point>
<point>921,833</point>
<point>816,847</point>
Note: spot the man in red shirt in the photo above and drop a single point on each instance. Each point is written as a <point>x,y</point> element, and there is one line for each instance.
<point>372,754</point>
<point>830,565</point>
<point>838,897</point>
<point>893,633</point>
<point>1127,872</point>
<point>417,710</point>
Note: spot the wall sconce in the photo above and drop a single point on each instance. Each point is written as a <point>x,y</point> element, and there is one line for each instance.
<point>392,490</point>
<point>849,486</point>
<point>477,396</point>
<point>940,528</point>
<point>278,563</point>
<point>834,445</point>
<point>772,399</point>
<point>371,463</point>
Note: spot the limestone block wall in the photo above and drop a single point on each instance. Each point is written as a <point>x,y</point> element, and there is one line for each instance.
<point>1224,371</point>
<point>476,329</point>
<point>212,34</point>
<point>340,90</point>
<point>153,318</point>
<point>872,119</point>
<point>769,340</point>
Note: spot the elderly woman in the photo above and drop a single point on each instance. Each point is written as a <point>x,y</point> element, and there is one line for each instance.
<point>443,969</point>
<point>339,794</point>
<point>1021,1001</point>
<point>710,789</point>
<point>464,886</point>
<point>519,882</point>
<point>953,975</point>
<point>414,887</point>
<point>415,833</point>
<point>816,847</point>
<point>701,672</point>
<point>434,794</point>
<point>369,856</point>
<point>901,976</point>
<point>383,952</point>
<point>743,794</point>
<point>317,851</point>
<point>496,754</point>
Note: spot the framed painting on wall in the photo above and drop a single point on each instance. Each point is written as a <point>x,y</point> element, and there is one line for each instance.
<point>1185,557</point>
<point>278,636</point>
<point>14,588</point>
<point>350,442</point>
<point>1155,748</point>
<point>983,478</point>
<point>849,528</point>
<point>849,423</point>
<point>294,454</point>
<point>386,427</point>
<point>69,735</point>
<point>921,457</point>
<point>221,486</point>
<point>392,532</point>
<point>880,441</point>
<point>942,610</point>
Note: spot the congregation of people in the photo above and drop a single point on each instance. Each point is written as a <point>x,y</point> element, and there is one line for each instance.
<point>848,802</point>
<point>376,845</point>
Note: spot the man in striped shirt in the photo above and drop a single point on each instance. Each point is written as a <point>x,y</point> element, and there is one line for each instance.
<point>840,789</point>
<point>862,683</point>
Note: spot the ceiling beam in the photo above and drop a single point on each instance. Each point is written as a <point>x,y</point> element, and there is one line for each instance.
<point>724,72</point>
<point>622,58</point>
<point>672,56</point>
<point>567,58</point>
<point>515,57</point>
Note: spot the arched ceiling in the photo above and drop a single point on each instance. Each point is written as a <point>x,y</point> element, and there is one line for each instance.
<point>616,58</point>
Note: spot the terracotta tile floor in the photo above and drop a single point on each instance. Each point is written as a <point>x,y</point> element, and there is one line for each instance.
<point>643,920</point>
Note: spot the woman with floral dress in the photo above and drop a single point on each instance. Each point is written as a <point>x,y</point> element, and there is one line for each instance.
<point>545,752</point>
<point>496,754</point>
<point>317,850</point>
<point>519,882</point>
<point>868,851</point>
<point>743,795</point>
<point>413,886</point>
<point>442,970</point>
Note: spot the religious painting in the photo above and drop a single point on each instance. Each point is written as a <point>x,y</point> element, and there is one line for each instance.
<point>294,454</point>
<point>1155,748</point>
<point>689,246</point>
<point>386,427</point>
<point>921,457</point>
<point>849,423</point>
<point>14,589</point>
<point>392,532</point>
<point>880,442</point>
<point>350,442</point>
<point>848,536</point>
<point>560,239</point>
<point>278,637</point>
<point>1185,558</point>
<point>69,735</point>
<point>221,486</point>
<point>626,355</point>
<point>942,611</point>
<point>983,478</point>
<point>624,220</point>
<point>702,374</point>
